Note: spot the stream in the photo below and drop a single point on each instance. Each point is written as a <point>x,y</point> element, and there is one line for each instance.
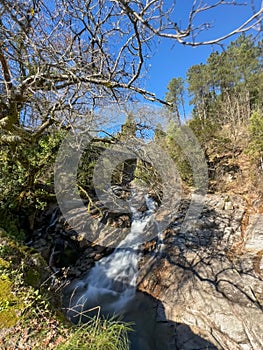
<point>112,282</point>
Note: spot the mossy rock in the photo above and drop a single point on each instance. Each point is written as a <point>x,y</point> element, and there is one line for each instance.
<point>4,264</point>
<point>8,318</point>
<point>13,253</point>
<point>33,277</point>
<point>9,304</point>
<point>37,270</point>
<point>5,287</point>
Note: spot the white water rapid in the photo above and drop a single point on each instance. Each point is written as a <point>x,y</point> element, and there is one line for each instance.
<point>111,283</point>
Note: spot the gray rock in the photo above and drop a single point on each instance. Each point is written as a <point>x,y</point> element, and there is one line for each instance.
<point>228,206</point>
<point>209,294</point>
<point>203,284</point>
<point>254,233</point>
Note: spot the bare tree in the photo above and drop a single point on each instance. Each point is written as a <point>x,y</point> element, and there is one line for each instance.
<point>58,60</point>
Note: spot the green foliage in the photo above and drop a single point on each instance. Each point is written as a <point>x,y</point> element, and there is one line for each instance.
<point>25,167</point>
<point>28,317</point>
<point>243,55</point>
<point>204,130</point>
<point>229,85</point>
<point>11,223</point>
<point>98,334</point>
<point>33,277</point>
<point>226,93</point>
<point>20,302</point>
<point>26,180</point>
<point>198,82</point>
<point>9,303</point>
<point>255,148</point>
<point>147,175</point>
<point>168,141</point>
<point>175,96</point>
<point>199,89</point>
<point>28,263</point>
<point>128,129</point>
<point>86,167</point>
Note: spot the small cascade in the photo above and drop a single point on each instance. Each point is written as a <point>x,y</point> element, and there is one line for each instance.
<point>111,283</point>
<point>152,205</point>
<point>53,220</point>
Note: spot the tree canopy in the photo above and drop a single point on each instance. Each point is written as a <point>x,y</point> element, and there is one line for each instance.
<point>60,60</point>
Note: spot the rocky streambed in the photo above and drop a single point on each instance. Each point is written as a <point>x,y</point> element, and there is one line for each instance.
<point>202,289</point>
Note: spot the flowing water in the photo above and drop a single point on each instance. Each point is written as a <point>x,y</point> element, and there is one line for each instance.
<point>111,284</point>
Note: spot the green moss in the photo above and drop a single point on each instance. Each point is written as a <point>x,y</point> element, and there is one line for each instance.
<point>27,313</point>
<point>9,304</point>
<point>30,262</point>
<point>8,318</point>
<point>4,264</point>
<point>5,286</point>
<point>33,277</point>
<point>10,223</point>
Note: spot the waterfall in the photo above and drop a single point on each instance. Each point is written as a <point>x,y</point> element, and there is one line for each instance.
<point>111,283</point>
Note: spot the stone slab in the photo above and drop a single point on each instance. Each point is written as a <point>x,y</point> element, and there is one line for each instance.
<point>254,233</point>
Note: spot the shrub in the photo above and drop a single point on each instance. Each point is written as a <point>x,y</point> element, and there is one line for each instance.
<point>255,148</point>
<point>98,334</point>
<point>29,320</point>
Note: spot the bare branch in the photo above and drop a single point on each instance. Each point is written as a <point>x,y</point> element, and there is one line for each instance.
<point>79,55</point>
<point>6,72</point>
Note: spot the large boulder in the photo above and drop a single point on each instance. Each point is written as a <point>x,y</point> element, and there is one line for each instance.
<point>209,274</point>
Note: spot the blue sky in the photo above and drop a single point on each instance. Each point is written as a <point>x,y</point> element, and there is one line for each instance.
<point>172,59</point>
